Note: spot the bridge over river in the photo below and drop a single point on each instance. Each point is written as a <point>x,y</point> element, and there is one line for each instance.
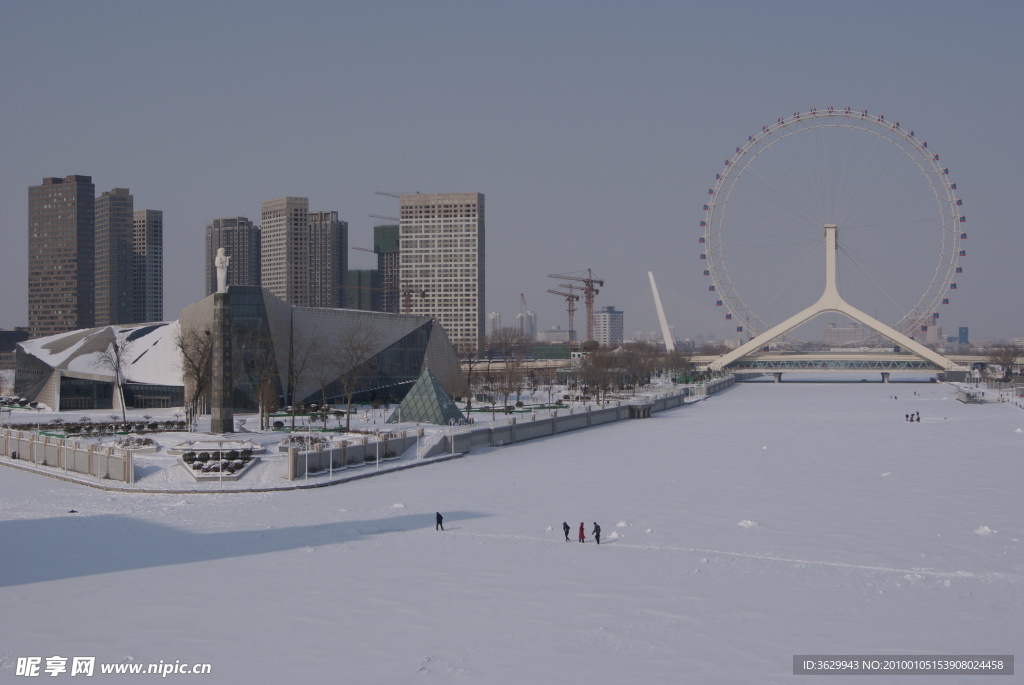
<point>883,361</point>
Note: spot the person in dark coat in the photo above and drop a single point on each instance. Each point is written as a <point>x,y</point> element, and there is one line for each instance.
<point>440,522</point>
<point>565,529</point>
<point>597,532</point>
<point>582,537</point>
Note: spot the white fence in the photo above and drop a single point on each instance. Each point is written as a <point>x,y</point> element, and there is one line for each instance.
<point>68,455</point>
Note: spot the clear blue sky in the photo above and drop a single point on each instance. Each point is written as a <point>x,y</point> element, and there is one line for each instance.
<point>594,129</point>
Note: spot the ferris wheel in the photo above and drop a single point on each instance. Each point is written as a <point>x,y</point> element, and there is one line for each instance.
<point>900,226</point>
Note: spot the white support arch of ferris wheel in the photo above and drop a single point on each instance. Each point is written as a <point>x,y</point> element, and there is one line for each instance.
<point>666,334</point>
<point>831,301</point>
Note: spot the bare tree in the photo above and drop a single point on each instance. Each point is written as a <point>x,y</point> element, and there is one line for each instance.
<point>546,380</point>
<point>259,368</point>
<point>301,355</point>
<point>597,370</point>
<point>196,358</point>
<point>678,362</point>
<point>117,359</point>
<point>713,348</point>
<point>470,359</point>
<point>507,346</point>
<point>351,360</point>
<point>1005,355</point>
<point>639,361</point>
<point>6,381</point>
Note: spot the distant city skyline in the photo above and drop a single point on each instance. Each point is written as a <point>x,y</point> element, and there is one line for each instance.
<point>93,260</point>
<point>594,134</point>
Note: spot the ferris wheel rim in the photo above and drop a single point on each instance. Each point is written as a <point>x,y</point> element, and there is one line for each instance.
<point>905,140</point>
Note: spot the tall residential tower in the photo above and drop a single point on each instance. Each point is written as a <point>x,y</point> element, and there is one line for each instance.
<point>328,259</point>
<point>149,265</point>
<point>441,262</point>
<point>303,254</point>
<point>115,261</point>
<point>241,241</point>
<point>61,255</point>
<point>284,249</point>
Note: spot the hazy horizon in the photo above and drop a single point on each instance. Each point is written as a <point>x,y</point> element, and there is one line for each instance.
<point>593,130</point>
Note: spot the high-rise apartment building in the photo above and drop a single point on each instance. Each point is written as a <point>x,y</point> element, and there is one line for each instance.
<point>608,327</point>
<point>115,260</point>
<point>441,260</point>
<point>284,249</point>
<point>526,325</point>
<point>328,259</point>
<point>362,290</point>
<point>493,323</point>
<point>61,255</point>
<point>240,239</point>
<point>303,254</point>
<point>385,245</point>
<point>148,251</point>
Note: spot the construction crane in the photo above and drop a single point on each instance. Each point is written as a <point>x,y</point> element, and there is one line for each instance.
<point>396,195</point>
<point>571,299</point>
<point>386,218</point>
<point>589,291</point>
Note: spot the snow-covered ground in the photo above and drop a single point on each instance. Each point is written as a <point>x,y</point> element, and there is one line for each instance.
<point>767,521</point>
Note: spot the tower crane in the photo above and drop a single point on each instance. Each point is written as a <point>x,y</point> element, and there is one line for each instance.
<point>394,195</point>
<point>406,291</point>
<point>571,299</point>
<point>589,291</point>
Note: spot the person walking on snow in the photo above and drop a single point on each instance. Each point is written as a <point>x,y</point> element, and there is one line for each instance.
<point>440,522</point>
<point>597,532</point>
<point>565,529</point>
<point>582,537</point>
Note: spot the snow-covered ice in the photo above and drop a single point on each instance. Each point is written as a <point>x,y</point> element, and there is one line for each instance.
<point>856,532</point>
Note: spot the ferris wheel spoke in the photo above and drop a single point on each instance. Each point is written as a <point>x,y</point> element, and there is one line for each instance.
<point>863,174</point>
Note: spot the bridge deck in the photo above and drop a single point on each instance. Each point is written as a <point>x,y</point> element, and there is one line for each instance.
<point>833,361</point>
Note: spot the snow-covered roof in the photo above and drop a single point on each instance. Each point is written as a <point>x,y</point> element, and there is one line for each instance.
<point>152,351</point>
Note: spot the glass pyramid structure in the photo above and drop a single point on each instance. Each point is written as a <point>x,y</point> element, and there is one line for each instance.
<point>427,402</point>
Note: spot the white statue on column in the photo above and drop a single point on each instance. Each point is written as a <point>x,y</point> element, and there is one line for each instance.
<point>221,262</point>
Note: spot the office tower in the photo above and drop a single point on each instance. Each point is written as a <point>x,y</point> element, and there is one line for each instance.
<point>963,338</point>
<point>303,254</point>
<point>8,343</point>
<point>526,325</point>
<point>61,248</point>
<point>148,251</point>
<point>844,335</point>
<point>240,239</point>
<point>284,249</point>
<point>328,259</point>
<point>608,327</point>
<point>493,323</point>
<point>115,262</point>
<point>385,245</point>
<point>362,290</point>
<point>441,262</point>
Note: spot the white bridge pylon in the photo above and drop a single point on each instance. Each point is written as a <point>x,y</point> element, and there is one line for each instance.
<point>831,301</point>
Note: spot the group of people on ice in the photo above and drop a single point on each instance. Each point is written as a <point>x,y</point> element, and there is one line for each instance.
<point>916,416</point>
<point>583,538</point>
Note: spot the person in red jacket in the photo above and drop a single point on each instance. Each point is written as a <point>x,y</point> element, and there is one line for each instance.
<point>582,538</point>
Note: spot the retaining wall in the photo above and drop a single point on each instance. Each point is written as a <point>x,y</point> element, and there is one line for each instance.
<point>519,429</point>
<point>351,454</point>
<point>112,463</point>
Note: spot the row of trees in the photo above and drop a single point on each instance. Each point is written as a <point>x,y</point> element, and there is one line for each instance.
<point>335,363</point>
<point>502,371</point>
